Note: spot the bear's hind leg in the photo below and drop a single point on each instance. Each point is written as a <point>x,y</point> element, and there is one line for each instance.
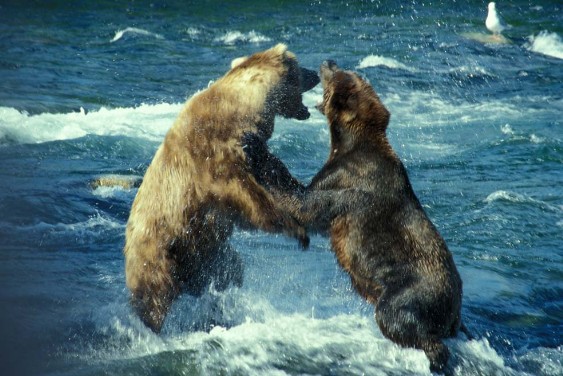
<point>152,295</point>
<point>437,353</point>
<point>402,325</point>
<point>150,310</point>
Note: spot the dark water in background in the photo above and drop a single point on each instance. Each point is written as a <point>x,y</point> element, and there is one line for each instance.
<point>90,88</point>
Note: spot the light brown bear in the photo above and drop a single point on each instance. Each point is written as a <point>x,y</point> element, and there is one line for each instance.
<point>199,185</point>
<point>379,231</point>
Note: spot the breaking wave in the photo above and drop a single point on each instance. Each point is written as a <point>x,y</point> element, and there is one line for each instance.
<point>232,38</point>
<point>375,61</point>
<point>546,43</point>
<point>134,31</point>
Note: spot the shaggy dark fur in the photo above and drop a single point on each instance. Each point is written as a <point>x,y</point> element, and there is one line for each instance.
<point>379,231</point>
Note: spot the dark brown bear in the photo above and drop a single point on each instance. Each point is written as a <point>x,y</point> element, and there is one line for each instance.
<point>199,185</point>
<point>380,233</point>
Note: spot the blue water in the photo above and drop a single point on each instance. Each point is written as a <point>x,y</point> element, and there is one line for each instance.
<point>90,89</point>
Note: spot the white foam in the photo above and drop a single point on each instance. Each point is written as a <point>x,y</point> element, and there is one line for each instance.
<point>376,60</point>
<point>533,138</point>
<point>274,343</point>
<point>508,196</point>
<point>270,345</point>
<point>134,30</point>
<point>470,71</point>
<point>544,361</point>
<point>507,129</point>
<point>193,32</point>
<point>149,122</point>
<point>546,43</point>
<point>85,230</point>
<point>256,348</point>
<point>536,139</point>
<point>95,224</point>
<point>505,196</point>
<point>476,357</point>
<point>231,38</point>
<point>420,108</point>
<point>114,192</point>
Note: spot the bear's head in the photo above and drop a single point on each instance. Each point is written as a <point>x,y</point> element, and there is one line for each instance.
<point>353,109</point>
<point>274,76</point>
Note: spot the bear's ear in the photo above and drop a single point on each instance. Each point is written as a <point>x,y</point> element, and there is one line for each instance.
<point>279,48</point>
<point>343,101</point>
<point>238,61</point>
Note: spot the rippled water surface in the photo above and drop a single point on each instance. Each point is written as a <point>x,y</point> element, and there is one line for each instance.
<point>90,88</point>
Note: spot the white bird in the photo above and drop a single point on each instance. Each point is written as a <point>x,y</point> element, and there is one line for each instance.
<point>493,21</point>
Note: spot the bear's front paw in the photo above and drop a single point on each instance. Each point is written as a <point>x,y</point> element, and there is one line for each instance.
<point>294,229</point>
<point>300,233</point>
<point>303,238</point>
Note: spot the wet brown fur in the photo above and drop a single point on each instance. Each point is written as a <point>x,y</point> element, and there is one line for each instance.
<point>380,233</point>
<point>198,186</point>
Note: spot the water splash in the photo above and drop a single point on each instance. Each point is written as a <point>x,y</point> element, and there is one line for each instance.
<point>546,43</point>
<point>232,38</point>
<point>516,198</point>
<point>135,31</point>
<point>376,60</point>
<point>20,127</point>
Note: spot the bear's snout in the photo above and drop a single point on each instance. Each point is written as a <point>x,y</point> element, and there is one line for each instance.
<point>302,113</point>
<point>309,79</point>
<point>328,68</point>
<point>330,64</point>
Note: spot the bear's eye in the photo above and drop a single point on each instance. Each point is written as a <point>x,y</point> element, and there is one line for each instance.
<point>352,101</point>
<point>339,100</point>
